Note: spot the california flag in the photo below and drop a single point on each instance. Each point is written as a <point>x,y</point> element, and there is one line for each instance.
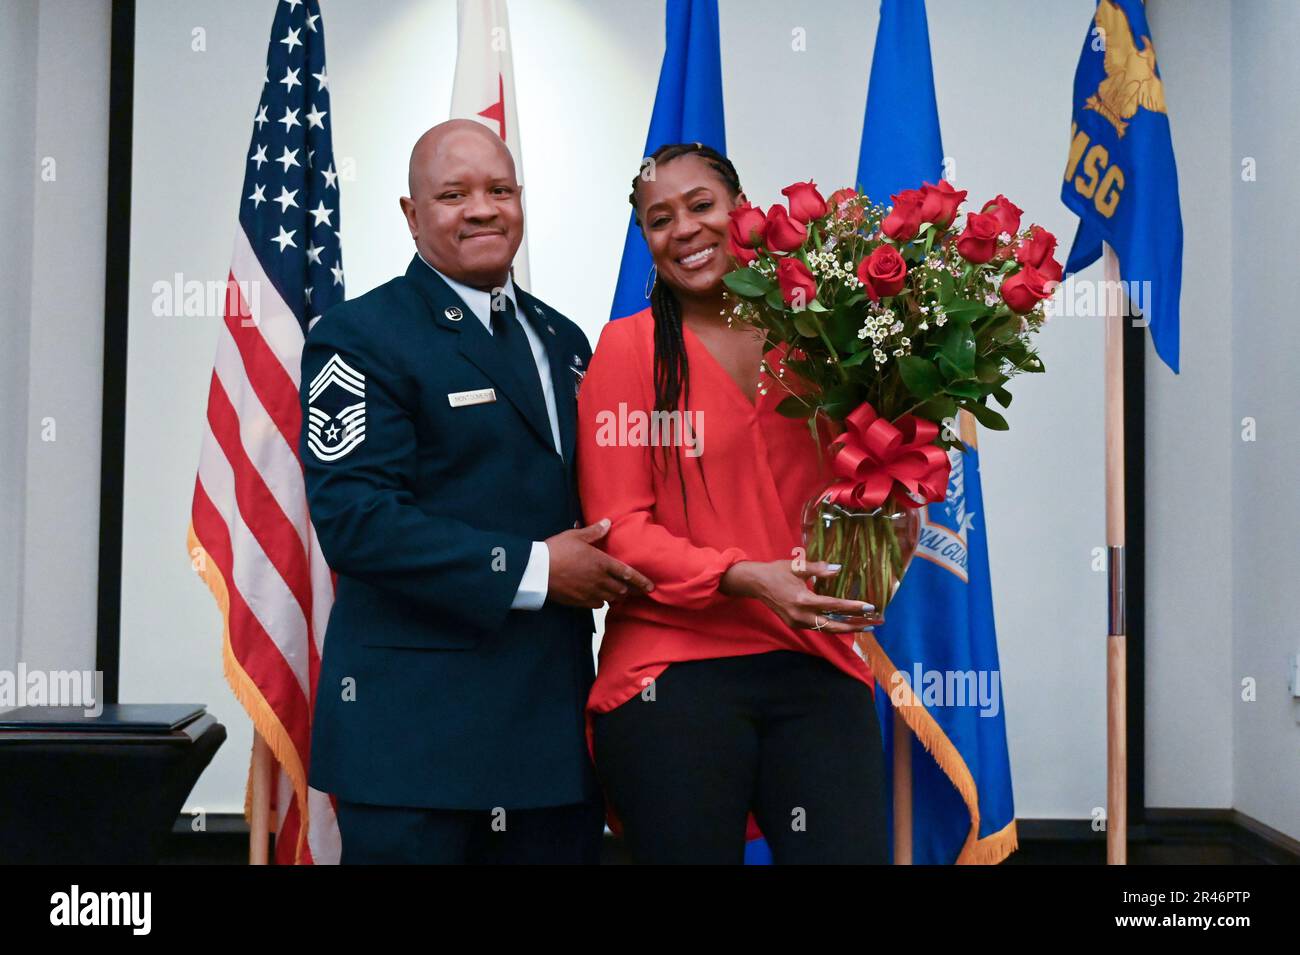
<point>484,88</point>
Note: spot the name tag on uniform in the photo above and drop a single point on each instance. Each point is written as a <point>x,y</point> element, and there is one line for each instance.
<point>459,399</point>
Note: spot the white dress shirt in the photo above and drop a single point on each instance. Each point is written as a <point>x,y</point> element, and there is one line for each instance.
<point>534,584</point>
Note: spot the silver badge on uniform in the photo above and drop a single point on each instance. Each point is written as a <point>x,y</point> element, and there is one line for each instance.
<point>336,423</point>
<point>578,372</point>
<point>453,313</point>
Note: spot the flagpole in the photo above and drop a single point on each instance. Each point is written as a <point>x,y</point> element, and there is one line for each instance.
<point>259,823</point>
<point>902,791</point>
<point>1116,663</point>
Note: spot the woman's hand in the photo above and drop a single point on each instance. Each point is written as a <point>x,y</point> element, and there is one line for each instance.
<point>785,590</point>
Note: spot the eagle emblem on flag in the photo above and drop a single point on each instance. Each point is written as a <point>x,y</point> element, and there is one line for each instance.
<point>337,410</point>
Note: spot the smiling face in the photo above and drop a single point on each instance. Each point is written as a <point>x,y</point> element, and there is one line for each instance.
<point>465,210</point>
<point>684,217</point>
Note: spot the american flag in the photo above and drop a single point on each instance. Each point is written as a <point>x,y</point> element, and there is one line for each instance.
<point>250,535</point>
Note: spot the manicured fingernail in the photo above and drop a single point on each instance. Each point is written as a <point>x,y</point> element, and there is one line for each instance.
<point>867,608</point>
<point>833,567</point>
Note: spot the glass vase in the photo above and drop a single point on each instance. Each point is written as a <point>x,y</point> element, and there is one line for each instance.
<point>872,547</point>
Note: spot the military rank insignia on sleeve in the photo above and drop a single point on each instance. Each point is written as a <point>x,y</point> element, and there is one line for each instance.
<point>336,406</point>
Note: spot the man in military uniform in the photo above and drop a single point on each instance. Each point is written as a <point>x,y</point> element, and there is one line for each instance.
<point>438,435</point>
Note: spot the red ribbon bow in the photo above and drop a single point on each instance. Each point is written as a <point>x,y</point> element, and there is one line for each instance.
<point>876,458</point>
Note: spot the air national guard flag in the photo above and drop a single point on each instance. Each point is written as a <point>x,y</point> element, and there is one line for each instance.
<point>688,109</point>
<point>936,657</point>
<point>1120,177</point>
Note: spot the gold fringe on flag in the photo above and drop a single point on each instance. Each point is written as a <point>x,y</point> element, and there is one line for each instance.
<point>993,848</point>
<point>249,695</point>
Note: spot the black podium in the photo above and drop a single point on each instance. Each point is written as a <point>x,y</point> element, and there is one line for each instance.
<point>96,790</point>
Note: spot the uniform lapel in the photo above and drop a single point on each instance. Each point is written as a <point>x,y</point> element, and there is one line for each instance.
<point>563,376</point>
<point>477,346</point>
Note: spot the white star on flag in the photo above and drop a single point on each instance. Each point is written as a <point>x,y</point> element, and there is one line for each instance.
<point>285,198</point>
<point>285,239</point>
<point>289,158</point>
<point>321,213</point>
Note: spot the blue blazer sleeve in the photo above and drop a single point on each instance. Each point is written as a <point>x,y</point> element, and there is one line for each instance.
<point>358,449</point>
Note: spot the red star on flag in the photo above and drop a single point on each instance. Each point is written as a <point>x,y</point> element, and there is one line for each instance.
<point>497,111</point>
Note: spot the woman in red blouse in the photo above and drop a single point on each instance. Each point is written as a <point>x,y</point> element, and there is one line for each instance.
<point>729,689</point>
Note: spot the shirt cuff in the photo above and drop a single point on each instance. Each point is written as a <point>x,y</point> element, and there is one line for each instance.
<point>536,580</point>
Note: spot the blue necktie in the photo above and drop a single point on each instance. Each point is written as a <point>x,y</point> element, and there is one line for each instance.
<point>510,337</point>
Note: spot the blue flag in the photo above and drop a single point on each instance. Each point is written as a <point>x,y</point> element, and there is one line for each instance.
<point>688,109</point>
<point>938,641</point>
<point>1120,178</point>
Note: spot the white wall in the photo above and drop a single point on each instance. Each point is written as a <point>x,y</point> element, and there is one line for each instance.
<point>1265,348</point>
<point>18,33</point>
<point>587,73</point>
<point>1190,434</point>
<point>54,110</point>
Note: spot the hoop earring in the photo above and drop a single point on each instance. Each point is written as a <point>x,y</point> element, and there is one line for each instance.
<point>650,279</point>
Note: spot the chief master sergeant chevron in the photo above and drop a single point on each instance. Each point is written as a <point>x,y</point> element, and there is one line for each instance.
<point>439,413</point>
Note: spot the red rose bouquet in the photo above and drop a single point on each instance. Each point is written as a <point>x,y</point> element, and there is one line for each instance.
<point>893,320</point>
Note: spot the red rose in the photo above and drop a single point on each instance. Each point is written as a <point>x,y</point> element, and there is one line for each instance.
<point>748,225</point>
<point>1027,287</point>
<point>783,233</point>
<point>741,254</point>
<point>798,287</point>
<point>805,201</point>
<point>846,209</point>
<point>883,272</point>
<point>841,197</point>
<point>904,221</point>
<point>1037,251</point>
<point>1007,212</point>
<point>939,203</point>
<point>979,240</point>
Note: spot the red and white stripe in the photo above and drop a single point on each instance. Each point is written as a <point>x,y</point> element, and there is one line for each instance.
<point>250,516</point>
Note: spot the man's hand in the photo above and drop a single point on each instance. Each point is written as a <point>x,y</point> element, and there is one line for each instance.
<point>582,575</point>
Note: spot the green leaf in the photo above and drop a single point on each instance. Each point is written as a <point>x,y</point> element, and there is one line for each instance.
<point>792,407</point>
<point>988,370</point>
<point>774,299</point>
<point>988,417</point>
<point>947,287</point>
<point>805,326</point>
<point>748,283</point>
<point>856,359</point>
<point>816,306</point>
<point>964,309</point>
<point>840,400</point>
<point>919,375</point>
<point>957,354</point>
<point>936,409</point>
<point>1002,396</point>
<point>965,389</point>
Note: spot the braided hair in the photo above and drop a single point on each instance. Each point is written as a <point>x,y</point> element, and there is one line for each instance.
<point>671,377</point>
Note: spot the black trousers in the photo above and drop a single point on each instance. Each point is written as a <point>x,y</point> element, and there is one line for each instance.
<point>784,734</point>
<point>401,835</point>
